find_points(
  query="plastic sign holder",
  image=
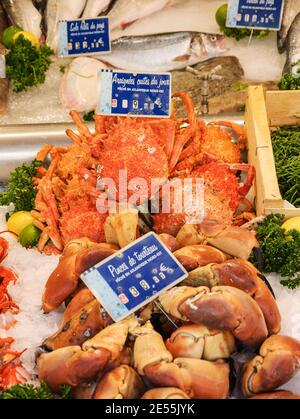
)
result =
(134, 276)
(255, 14)
(137, 94)
(84, 37)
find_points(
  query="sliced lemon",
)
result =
(19, 220)
(29, 36)
(292, 224)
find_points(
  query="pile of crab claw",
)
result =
(223, 310)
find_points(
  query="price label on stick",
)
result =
(84, 37)
(131, 278)
(255, 14)
(138, 94)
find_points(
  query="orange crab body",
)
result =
(83, 222)
(212, 207)
(133, 147)
(212, 143)
(219, 178)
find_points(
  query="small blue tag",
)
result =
(255, 14)
(84, 37)
(131, 278)
(122, 93)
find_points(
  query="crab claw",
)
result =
(169, 241)
(120, 383)
(70, 365)
(65, 278)
(280, 394)
(74, 246)
(197, 341)
(149, 348)
(232, 240)
(194, 256)
(112, 338)
(199, 379)
(277, 362)
(240, 274)
(85, 323)
(80, 299)
(223, 307)
(165, 393)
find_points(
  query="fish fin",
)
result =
(182, 58)
(125, 25)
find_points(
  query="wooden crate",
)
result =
(265, 111)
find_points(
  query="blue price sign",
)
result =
(122, 93)
(131, 278)
(84, 36)
(255, 14)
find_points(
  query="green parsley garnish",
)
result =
(26, 65)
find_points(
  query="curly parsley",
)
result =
(289, 82)
(26, 65)
(281, 250)
(21, 191)
(29, 391)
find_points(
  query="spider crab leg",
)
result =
(47, 206)
(188, 133)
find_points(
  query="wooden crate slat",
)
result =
(283, 107)
(260, 152)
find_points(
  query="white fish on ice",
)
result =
(23, 14)
(163, 52)
(125, 12)
(79, 86)
(290, 11)
(93, 8)
(60, 10)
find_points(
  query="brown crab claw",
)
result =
(169, 241)
(83, 325)
(70, 365)
(223, 307)
(65, 279)
(199, 379)
(229, 308)
(277, 362)
(240, 274)
(232, 240)
(165, 393)
(280, 394)
(122, 382)
(200, 342)
(191, 257)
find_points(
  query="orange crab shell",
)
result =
(82, 221)
(134, 147)
(220, 178)
(213, 208)
(217, 141)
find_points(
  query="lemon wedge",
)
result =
(29, 36)
(292, 224)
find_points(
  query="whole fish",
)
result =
(292, 64)
(60, 10)
(23, 13)
(163, 52)
(290, 11)
(93, 8)
(125, 12)
(4, 83)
